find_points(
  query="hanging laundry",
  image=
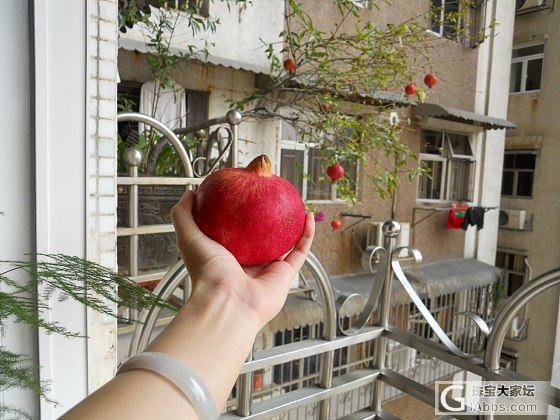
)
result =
(474, 217)
(456, 216)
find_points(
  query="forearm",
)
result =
(212, 335)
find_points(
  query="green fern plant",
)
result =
(65, 278)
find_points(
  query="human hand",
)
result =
(215, 272)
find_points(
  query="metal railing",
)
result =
(327, 393)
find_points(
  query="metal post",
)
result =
(233, 118)
(391, 230)
(245, 391)
(133, 158)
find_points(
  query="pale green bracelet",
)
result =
(180, 375)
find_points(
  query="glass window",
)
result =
(526, 69)
(513, 268)
(445, 18)
(303, 167)
(451, 162)
(518, 173)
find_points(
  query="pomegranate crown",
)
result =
(260, 165)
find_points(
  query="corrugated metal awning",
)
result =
(429, 281)
(452, 276)
(139, 46)
(430, 110)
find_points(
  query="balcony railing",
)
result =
(349, 366)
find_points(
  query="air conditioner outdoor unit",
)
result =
(512, 219)
(375, 236)
(528, 6)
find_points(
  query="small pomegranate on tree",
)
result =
(254, 214)
(410, 89)
(290, 65)
(430, 79)
(336, 224)
(335, 172)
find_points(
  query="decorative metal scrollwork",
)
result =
(390, 261)
(432, 322)
(204, 165)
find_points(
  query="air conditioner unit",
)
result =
(529, 6)
(512, 219)
(375, 236)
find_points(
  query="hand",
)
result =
(215, 271)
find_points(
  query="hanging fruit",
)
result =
(430, 79)
(410, 89)
(335, 172)
(336, 224)
(290, 65)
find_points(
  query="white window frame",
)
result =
(441, 32)
(524, 62)
(447, 157)
(294, 145)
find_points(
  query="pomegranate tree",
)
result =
(254, 214)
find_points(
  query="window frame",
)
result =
(516, 171)
(447, 157)
(524, 63)
(509, 254)
(442, 23)
(295, 145)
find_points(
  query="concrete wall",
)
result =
(535, 114)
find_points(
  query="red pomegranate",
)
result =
(430, 79)
(336, 224)
(254, 214)
(290, 65)
(335, 172)
(410, 89)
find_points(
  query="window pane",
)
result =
(460, 144)
(509, 161)
(515, 81)
(318, 185)
(430, 188)
(351, 172)
(515, 281)
(525, 161)
(526, 51)
(291, 165)
(534, 72)
(507, 182)
(524, 184)
(460, 180)
(435, 16)
(451, 18)
(431, 142)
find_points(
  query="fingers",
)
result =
(296, 258)
(183, 222)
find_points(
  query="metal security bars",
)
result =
(335, 367)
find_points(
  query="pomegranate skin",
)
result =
(255, 215)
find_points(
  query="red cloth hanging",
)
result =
(456, 216)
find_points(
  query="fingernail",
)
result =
(184, 196)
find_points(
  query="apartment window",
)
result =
(303, 167)
(451, 162)
(518, 173)
(513, 268)
(200, 6)
(444, 18)
(526, 68)
(364, 4)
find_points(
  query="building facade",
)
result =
(64, 122)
